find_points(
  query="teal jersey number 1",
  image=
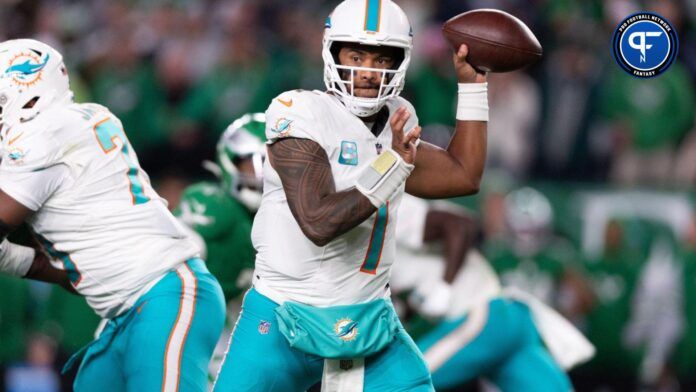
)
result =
(374, 250)
(108, 132)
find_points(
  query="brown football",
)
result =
(497, 41)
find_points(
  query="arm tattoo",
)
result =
(322, 213)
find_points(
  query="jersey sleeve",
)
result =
(33, 188)
(290, 116)
(30, 151)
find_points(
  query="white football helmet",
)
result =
(367, 22)
(528, 211)
(32, 78)
(245, 138)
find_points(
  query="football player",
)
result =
(503, 335)
(338, 164)
(70, 172)
(221, 213)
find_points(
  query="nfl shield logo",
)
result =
(345, 364)
(378, 147)
(264, 326)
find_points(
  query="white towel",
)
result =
(343, 375)
(567, 345)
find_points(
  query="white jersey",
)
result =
(353, 267)
(422, 264)
(474, 286)
(96, 213)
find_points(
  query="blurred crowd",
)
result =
(178, 72)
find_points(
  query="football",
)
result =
(497, 41)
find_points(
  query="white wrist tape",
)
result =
(15, 260)
(380, 180)
(472, 103)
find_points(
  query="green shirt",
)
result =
(224, 95)
(135, 97)
(538, 273)
(657, 111)
(225, 225)
(68, 317)
(14, 318)
(433, 93)
(685, 358)
(613, 278)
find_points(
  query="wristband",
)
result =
(15, 260)
(472, 102)
(383, 177)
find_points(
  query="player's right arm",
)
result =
(295, 152)
(28, 179)
(22, 261)
(321, 212)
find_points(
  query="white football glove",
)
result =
(431, 298)
(15, 260)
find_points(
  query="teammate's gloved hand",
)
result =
(431, 299)
(15, 260)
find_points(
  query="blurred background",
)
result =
(614, 156)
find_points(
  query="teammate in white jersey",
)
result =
(503, 335)
(71, 174)
(338, 164)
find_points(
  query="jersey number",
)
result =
(374, 250)
(108, 132)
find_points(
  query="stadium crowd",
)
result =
(612, 155)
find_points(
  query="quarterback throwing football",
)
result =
(339, 162)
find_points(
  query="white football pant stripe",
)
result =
(177, 338)
(442, 351)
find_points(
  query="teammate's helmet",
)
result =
(528, 211)
(243, 140)
(367, 22)
(32, 78)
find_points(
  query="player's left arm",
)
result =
(457, 170)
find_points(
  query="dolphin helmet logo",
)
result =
(26, 68)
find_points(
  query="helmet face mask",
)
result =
(372, 23)
(32, 79)
(240, 155)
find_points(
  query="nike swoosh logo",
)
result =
(14, 139)
(286, 103)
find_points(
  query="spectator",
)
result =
(36, 373)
